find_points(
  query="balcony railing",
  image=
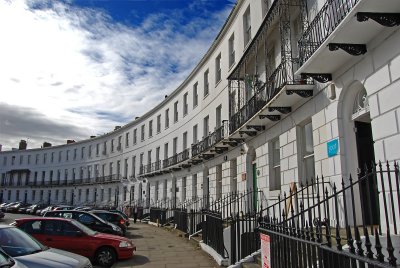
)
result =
(282, 76)
(150, 168)
(325, 22)
(177, 158)
(209, 141)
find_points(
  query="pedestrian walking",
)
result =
(135, 212)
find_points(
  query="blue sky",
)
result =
(75, 68)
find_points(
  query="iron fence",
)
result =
(158, 215)
(181, 219)
(213, 231)
(351, 225)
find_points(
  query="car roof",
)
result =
(43, 218)
(3, 226)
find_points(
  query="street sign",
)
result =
(265, 251)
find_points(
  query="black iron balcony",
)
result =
(324, 23)
(78, 181)
(150, 168)
(175, 159)
(211, 140)
(87, 181)
(265, 92)
(141, 170)
(100, 179)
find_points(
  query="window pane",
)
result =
(308, 139)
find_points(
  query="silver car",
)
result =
(29, 252)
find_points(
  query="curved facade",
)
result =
(282, 95)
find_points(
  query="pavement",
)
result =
(164, 248)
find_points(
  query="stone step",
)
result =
(251, 265)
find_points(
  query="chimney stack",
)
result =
(22, 145)
(46, 144)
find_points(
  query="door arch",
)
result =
(357, 146)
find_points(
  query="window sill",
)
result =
(218, 82)
(205, 96)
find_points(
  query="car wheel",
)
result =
(105, 256)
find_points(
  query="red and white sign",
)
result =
(265, 251)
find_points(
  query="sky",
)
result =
(75, 68)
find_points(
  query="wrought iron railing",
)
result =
(150, 168)
(177, 158)
(212, 139)
(264, 92)
(352, 223)
(325, 22)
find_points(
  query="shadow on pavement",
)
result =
(133, 236)
(136, 260)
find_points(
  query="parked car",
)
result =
(83, 208)
(112, 217)
(71, 235)
(7, 261)
(122, 214)
(1, 216)
(90, 220)
(64, 207)
(4, 208)
(31, 253)
(43, 211)
(35, 207)
(23, 207)
(3, 205)
(15, 207)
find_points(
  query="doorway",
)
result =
(368, 186)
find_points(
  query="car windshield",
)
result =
(5, 261)
(17, 243)
(83, 227)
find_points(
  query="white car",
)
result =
(28, 252)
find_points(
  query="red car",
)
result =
(71, 235)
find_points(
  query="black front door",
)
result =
(368, 187)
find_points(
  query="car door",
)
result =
(76, 241)
(52, 234)
(35, 229)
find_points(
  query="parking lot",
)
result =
(156, 247)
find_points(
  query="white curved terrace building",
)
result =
(289, 90)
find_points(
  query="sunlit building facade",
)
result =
(289, 90)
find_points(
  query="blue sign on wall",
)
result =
(333, 147)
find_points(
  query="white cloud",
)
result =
(80, 68)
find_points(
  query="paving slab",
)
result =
(161, 248)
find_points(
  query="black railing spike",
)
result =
(379, 256)
(384, 200)
(391, 197)
(368, 244)
(338, 238)
(396, 178)
(347, 226)
(327, 219)
(392, 259)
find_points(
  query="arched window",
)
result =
(361, 105)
